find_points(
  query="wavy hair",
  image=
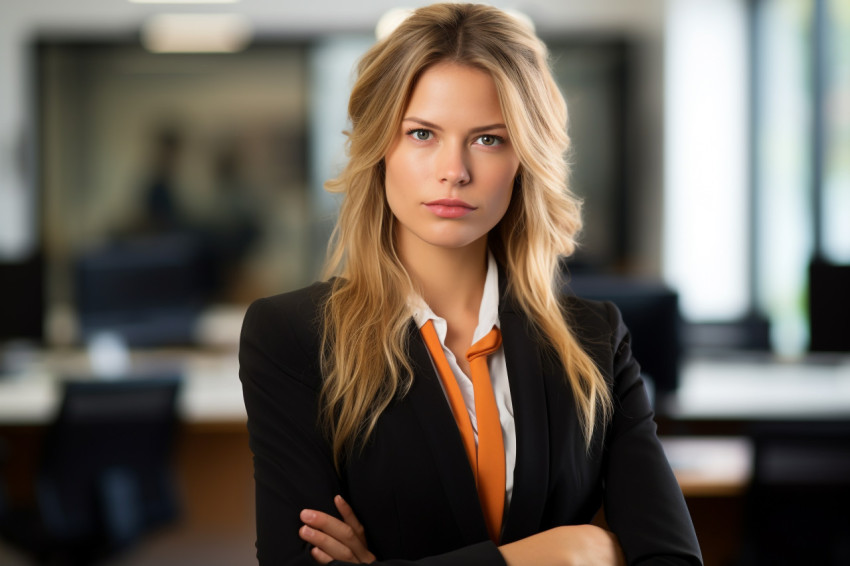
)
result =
(365, 360)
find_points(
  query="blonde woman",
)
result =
(439, 402)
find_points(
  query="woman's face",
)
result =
(450, 171)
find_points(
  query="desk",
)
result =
(710, 466)
(211, 392)
(747, 388)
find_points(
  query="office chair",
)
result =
(829, 306)
(149, 290)
(651, 311)
(104, 478)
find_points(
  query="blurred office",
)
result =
(162, 164)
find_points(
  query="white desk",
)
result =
(752, 389)
(211, 391)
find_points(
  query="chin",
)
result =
(454, 241)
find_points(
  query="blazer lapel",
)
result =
(442, 436)
(525, 375)
(531, 474)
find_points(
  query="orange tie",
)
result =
(488, 461)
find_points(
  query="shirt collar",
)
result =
(488, 312)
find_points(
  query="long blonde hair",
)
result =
(365, 360)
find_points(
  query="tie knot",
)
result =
(486, 346)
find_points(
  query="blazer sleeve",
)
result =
(293, 463)
(644, 505)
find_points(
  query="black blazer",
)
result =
(412, 486)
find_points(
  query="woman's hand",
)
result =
(573, 545)
(333, 539)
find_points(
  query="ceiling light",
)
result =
(184, 1)
(196, 33)
(391, 20)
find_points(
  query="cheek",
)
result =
(398, 171)
(505, 181)
(405, 180)
(507, 195)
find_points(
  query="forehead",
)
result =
(450, 91)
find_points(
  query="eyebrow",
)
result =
(433, 126)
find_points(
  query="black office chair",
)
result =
(829, 307)
(651, 311)
(150, 291)
(105, 476)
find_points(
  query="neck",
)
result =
(450, 280)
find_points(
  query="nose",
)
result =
(452, 165)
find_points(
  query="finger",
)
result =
(351, 520)
(328, 545)
(329, 525)
(349, 517)
(320, 555)
(343, 533)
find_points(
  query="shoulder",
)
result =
(302, 306)
(284, 331)
(599, 327)
(593, 321)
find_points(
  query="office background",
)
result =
(146, 197)
(710, 140)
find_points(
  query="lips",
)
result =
(449, 208)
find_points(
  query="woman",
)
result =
(375, 436)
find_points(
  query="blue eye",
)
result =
(490, 140)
